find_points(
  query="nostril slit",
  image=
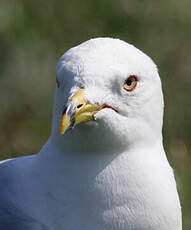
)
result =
(79, 106)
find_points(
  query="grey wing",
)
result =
(12, 218)
(16, 224)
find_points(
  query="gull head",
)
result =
(108, 97)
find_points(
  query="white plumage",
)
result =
(107, 174)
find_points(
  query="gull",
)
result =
(104, 166)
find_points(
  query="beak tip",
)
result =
(62, 132)
(65, 123)
(73, 114)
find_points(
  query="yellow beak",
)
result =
(78, 110)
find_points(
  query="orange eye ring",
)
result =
(130, 83)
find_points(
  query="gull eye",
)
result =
(130, 83)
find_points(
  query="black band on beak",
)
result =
(70, 110)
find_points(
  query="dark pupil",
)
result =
(129, 81)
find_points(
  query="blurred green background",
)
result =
(35, 33)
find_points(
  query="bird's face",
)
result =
(107, 90)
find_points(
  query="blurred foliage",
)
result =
(34, 34)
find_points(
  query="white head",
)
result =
(101, 67)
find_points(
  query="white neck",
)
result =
(100, 185)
